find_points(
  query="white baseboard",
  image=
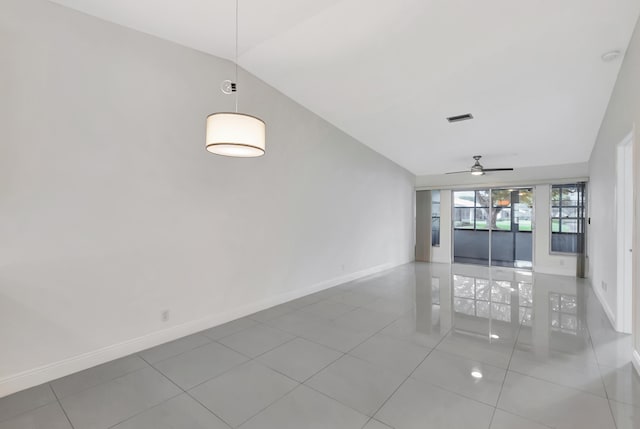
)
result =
(605, 305)
(36, 376)
(556, 271)
(636, 361)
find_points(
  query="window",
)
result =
(471, 209)
(523, 209)
(567, 217)
(435, 218)
(501, 210)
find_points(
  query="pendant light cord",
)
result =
(236, 60)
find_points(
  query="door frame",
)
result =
(624, 206)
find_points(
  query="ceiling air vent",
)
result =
(460, 118)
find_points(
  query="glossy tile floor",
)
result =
(420, 346)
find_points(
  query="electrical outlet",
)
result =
(562, 262)
(343, 268)
(604, 286)
(164, 315)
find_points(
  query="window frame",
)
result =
(474, 209)
(579, 208)
(433, 217)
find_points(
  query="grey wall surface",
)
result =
(622, 118)
(112, 211)
(423, 226)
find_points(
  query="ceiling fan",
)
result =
(478, 170)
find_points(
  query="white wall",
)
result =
(545, 261)
(622, 117)
(112, 211)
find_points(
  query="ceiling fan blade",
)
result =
(458, 172)
(497, 169)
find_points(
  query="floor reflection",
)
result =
(541, 313)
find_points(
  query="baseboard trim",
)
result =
(605, 306)
(36, 376)
(554, 271)
(635, 360)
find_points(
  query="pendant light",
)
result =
(232, 133)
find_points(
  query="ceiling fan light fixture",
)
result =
(478, 170)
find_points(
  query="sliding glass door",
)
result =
(493, 227)
(470, 230)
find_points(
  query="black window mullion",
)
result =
(475, 219)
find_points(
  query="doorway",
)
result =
(624, 214)
(493, 227)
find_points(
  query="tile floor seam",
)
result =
(145, 410)
(557, 384)
(377, 364)
(349, 406)
(506, 373)
(407, 377)
(315, 390)
(249, 359)
(430, 351)
(186, 392)
(604, 385)
(634, 406)
(303, 306)
(209, 341)
(205, 381)
(233, 350)
(335, 399)
(525, 418)
(337, 317)
(318, 344)
(60, 405)
(371, 419)
(456, 355)
(228, 335)
(337, 350)
(48, 404)
(312, 375)
(102, 382)
(509, 370)
(593, 348)
(253, 415)
(272, 349)
(207, 408)
(33, 408)
(179, 354)
(107, 381)
(366, 423)
(267, 351)
(371, 336)
(266, 309)
(429, 383)
(165, 376)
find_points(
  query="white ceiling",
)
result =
(389, 72)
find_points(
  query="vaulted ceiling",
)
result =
(389, 72)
